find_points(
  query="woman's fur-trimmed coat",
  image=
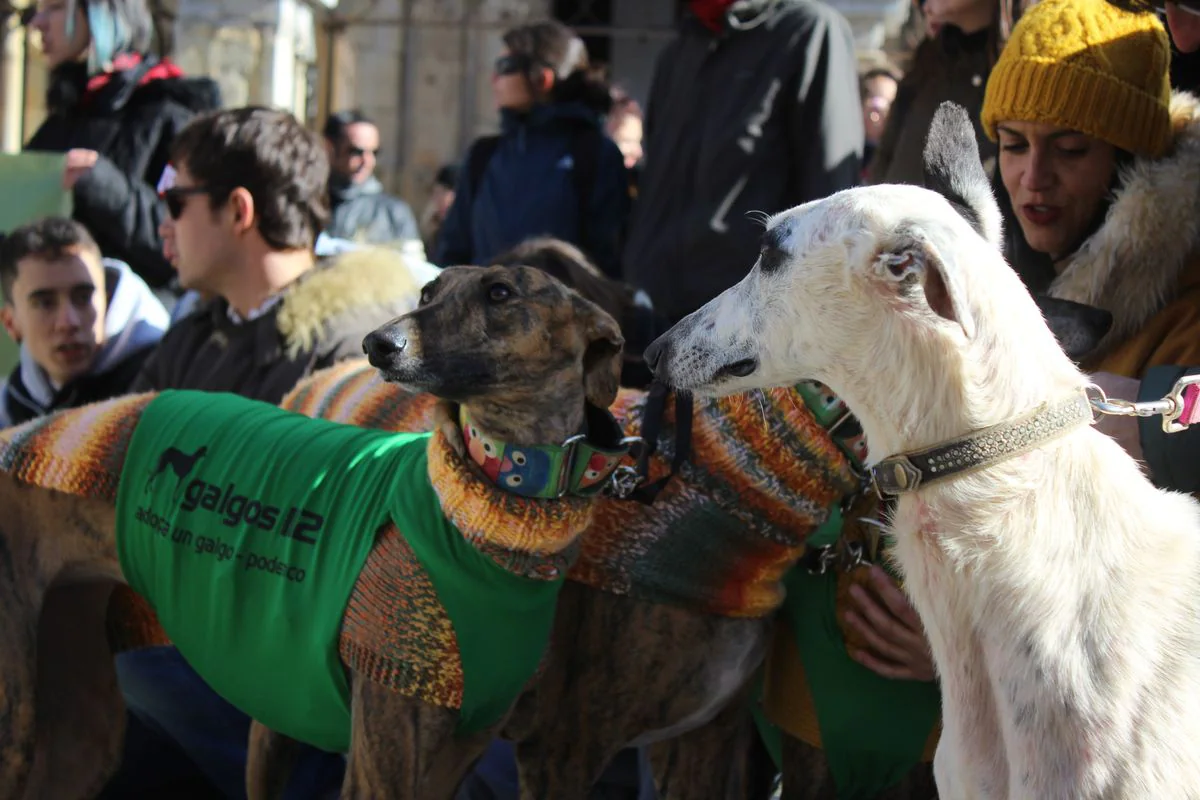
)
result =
(1143, 264)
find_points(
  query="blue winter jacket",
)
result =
(527, 190)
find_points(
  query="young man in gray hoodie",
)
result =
(85, 323)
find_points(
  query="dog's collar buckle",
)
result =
(894, 476)
(570, 450)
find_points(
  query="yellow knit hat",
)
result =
(1087, 66)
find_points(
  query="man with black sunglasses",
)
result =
(359, 208)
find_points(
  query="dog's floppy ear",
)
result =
(953, 169)
(602, 352)
(910, 262)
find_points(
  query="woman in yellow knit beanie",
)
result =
(1101, 164)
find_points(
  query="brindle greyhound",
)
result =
(665, 617)
(513, 347)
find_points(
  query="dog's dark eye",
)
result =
(426, 295)
(771, 259)
(498, 293)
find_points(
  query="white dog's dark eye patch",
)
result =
(772, 256)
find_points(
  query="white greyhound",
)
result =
(1057, 585)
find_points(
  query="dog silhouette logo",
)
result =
(175, 460)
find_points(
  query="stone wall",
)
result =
(257, 50)
(420, 68)
(427, 83)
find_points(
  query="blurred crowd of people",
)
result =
(234, 250)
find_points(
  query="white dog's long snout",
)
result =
(709, 351)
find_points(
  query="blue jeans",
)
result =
(170, 699)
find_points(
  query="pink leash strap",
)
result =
(1190, 414)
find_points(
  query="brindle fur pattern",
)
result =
(60, 706)
(619, 671)
(539, 350)
(61, 714)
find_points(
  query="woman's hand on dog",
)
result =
(896, 644)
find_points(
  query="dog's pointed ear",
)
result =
(602, 355)
(952, 168)
(913, 262)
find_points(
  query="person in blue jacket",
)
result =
(552, 171)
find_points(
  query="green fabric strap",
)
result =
(772, 735)
(873, 729)
(829, 531)
(246, 527)
(825, 535)
(502, 621)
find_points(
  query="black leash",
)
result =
(652, 419)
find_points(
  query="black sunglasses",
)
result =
(511, 64)
(176, 197)
(359, 152)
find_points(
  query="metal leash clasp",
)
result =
(1170, 408)
(570, 448)
(626, 479)
(1172, 422)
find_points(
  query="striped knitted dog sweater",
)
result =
(763, 475)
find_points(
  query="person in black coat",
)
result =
(753, 108)
(114, 109)
(552, 171)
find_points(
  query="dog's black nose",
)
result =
(382, 344)
(655, 356)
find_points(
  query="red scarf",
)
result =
(711, 13)
(163, 69)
